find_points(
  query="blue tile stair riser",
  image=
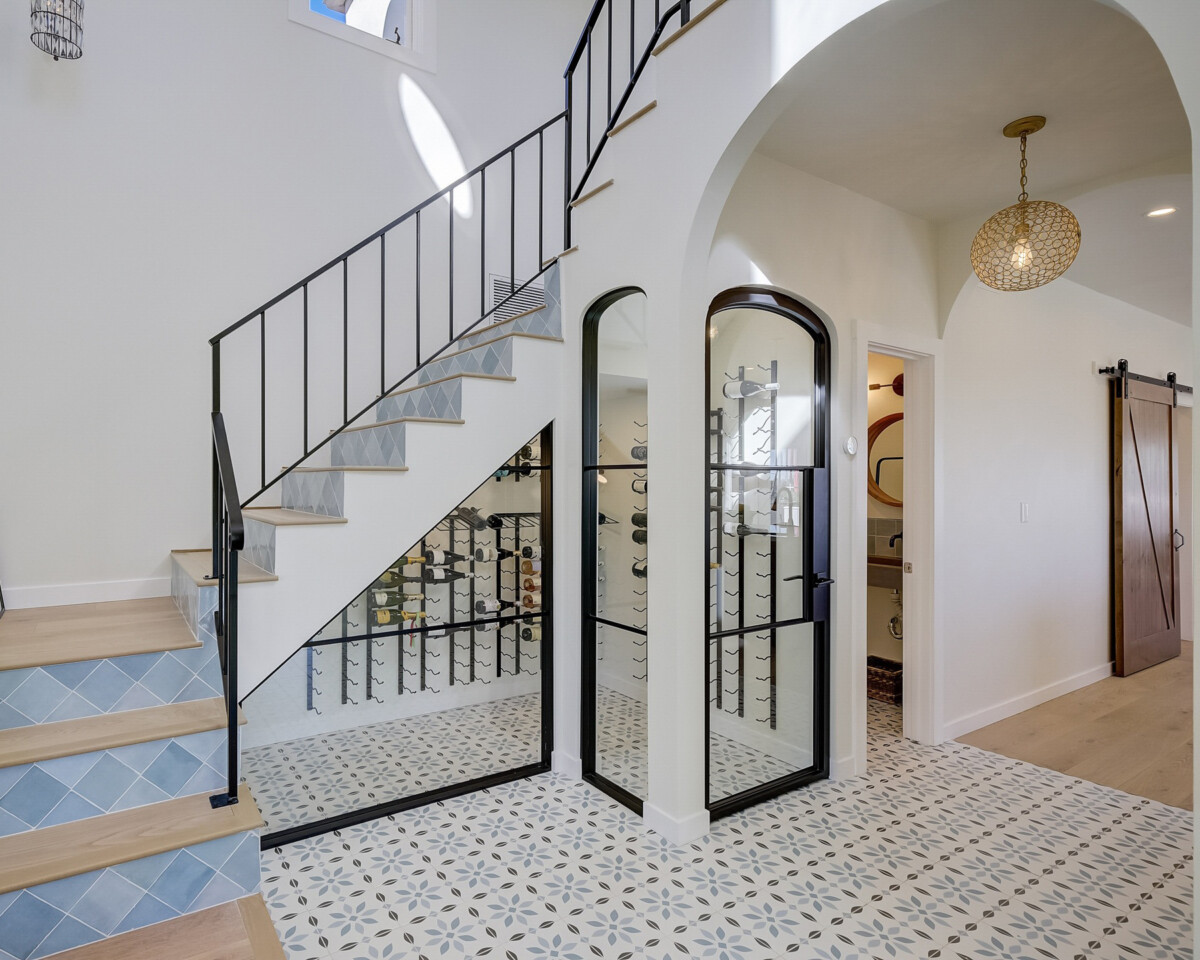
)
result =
(260, 544)
(69, 913)
(379, 446)
(494, 359)
(322, 493)
(71, 788)
(442, 401)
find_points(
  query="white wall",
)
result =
(197, 160)
(1026, 419)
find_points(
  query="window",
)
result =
(401, 29)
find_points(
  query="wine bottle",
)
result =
(409, 617)
(398, 579)
(532, 633)
(532, 599)
(639, 452)
(639, 486)
(531, 583)
(531, 566)
(444, 574)
(391, 598)
(640, 536)
(639, 569)
(736, 389)
(443, 556)
(531, 553)
(494, 521)
(602, 519)
(489, 554)
(638, 520)
(471, 516)
(742, 530)
(526, 452)
(493, 606)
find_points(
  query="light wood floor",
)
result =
(1132, 733)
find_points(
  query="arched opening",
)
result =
(767, 681)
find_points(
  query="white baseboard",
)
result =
(674, 830)
(843, 768)
(100, 591)
(563, 763)
(1001, 711)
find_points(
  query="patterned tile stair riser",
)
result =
(52, 917)
(937, 852)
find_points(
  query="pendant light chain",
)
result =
(1024, 177)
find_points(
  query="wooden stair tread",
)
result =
(66, 738)
(698, 18)
(40, 636)
(511, 335)
(239, 930)
(591, 193)
(632, 118)
(384, 423)
(52, 853)
(453, 376)
(197, 564)
(559, 256)
(282, 517)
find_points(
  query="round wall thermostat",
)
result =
(851, 446)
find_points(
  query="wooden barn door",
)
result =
(1145, 517)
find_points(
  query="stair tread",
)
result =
(632, 118)
(559, 256)
(66, 850)
(66, 738)
(695, 21)
(41, 636)
(512, 334)
(453, 376)
(197, 564)
(238, 930)
(283, 517)
(591, 193)
(384, 423)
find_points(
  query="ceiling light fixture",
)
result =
(1161, 212)
(56, 27)
(1030, 243)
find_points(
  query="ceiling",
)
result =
(907, 108)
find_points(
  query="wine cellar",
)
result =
(447, 647)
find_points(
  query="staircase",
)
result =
(124, 829)
(112, 739)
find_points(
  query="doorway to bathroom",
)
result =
(885, 534)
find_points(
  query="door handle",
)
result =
(821, 581)
(1182, 539)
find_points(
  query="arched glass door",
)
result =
(768, 548)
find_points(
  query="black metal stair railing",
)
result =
(617, 42)
(518, 251)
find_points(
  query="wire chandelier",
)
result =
(56, 27)
(1030, 243)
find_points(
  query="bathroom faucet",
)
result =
(894, 537)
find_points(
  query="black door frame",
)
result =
(588, 572)
(817, 545)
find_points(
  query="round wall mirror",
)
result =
(885, 460)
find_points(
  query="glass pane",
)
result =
(762, 368)
(756, 547)
(621, 381)
(621, 708)
(389, 710)
(621, 549)
(760, 731)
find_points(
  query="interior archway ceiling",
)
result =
(907, 110)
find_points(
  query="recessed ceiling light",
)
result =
(1161, 212)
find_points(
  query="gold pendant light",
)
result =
(1030, 243)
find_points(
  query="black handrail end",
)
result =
(219, 800)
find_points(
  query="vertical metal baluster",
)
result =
(685, 12)
(216, 469)
(567, 163)
(382, 316)
(588, 101)
(609, 57)
(541, 198)
(483, 241)
(262, 384)
(345, 341)
(306, 369)
(450, 309)
(418, 287)
(632, 31)
(512, 222)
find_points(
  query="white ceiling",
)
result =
(907, 108)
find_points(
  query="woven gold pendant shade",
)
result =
(1030, 243)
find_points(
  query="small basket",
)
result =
(885, 680)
